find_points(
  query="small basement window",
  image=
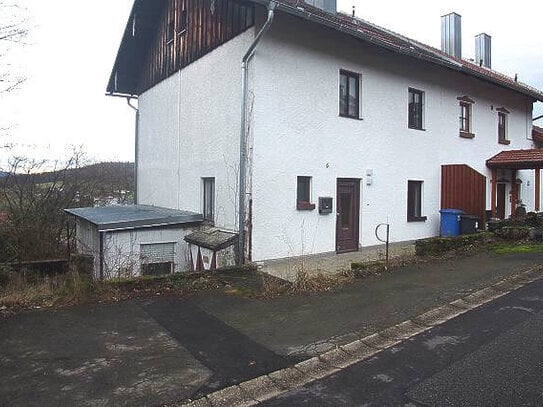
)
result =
(303, 194)
(157, 259)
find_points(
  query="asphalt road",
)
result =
(491, 356)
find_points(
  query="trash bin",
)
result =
(450, 222)
(469, 224)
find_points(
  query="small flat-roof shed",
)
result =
(128, 241)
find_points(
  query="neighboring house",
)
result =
(345, 124)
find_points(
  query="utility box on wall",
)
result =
(325, 205)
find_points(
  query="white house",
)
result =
(344, 124)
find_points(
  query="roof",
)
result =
(212, 238)
(517, 159)
(131, 53)
(112, 218)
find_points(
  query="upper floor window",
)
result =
(466, 121)
(349, 94)
(303, 194)
(416, 109)
(209, 199)
(414, 201)
(502, 126)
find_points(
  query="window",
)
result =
(209, 199)
(414, 201)
(170, 33)
(303, 194)
(349, 94)
(416, 108)
(465, 119)
(502, 126)
(157, 258)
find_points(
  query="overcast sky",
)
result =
(73, 44)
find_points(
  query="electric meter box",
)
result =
(325, 205)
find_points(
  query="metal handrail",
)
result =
(386, 241)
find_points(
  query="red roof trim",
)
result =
(517, 159)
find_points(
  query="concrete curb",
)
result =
(274, 384)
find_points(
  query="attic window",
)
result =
(171, 31)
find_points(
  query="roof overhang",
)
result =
(137, 38)
(517, 159)
(117, 218)
(145, 16)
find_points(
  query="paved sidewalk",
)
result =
(161, 350)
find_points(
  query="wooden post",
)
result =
(514, 192)
(493, 186)
(537, 188)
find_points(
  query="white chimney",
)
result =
(330, 6)
(451, 34)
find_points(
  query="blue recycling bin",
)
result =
(450, 222)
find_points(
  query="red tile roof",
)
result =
(517, 159)
(396, 42)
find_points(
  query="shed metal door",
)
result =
(157, 253)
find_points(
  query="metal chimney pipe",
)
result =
(483, 50)
(451, 34)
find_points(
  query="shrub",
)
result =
(440, 245)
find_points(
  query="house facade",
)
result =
(347, 126)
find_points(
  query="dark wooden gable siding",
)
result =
(188, 30)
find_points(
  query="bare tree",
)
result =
(34, 225)
(13, 30)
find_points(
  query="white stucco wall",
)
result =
(297, 132)
(122, 249)
(189, 129)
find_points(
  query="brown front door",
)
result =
(500, 201)
(348, 210)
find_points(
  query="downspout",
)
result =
(243, 131)
(136, 148)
